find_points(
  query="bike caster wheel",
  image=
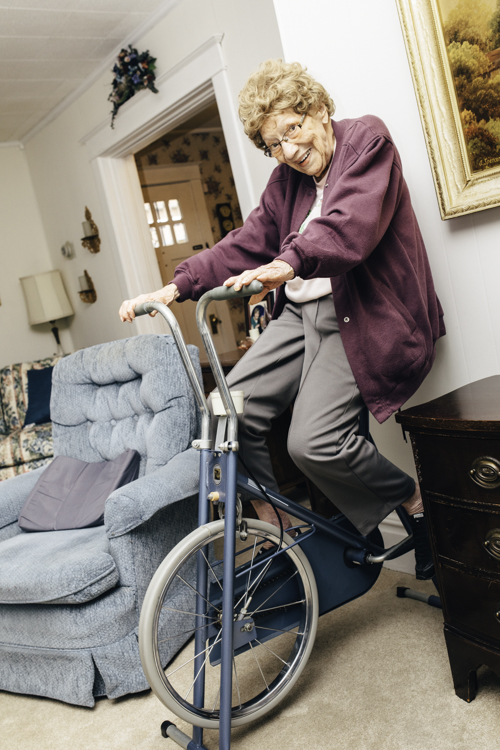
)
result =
(275, 621)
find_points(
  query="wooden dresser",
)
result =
(456, 446)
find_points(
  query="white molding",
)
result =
(217, 129)
(234, 137)
(127, 225)
(150, 22)
(393, 532)
(157, 174)
(12, 144)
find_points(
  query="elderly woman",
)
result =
(356, 317)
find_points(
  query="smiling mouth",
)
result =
(305, 157)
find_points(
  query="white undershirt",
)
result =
(300, 290)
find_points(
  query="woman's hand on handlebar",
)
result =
(271, 275)
(166, 295)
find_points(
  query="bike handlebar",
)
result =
(218, 294)
(229, 292)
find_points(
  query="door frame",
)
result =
(185, 89)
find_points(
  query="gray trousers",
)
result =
(301, 356)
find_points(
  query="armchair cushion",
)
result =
(39, 388)
(71, 493)
(56, 567)
(14, 390)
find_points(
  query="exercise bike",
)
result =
(243, 593)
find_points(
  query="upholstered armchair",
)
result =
(70, 600)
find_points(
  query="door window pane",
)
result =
(154, 237)
(149, 213)
(175, 210)
(166, 235)
(180, 233)
(161, 210)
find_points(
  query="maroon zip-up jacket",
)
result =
(367, 240)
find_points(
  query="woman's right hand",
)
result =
(166, 295)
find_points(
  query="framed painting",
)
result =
(454, 51)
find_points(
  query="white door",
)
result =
(180, 227)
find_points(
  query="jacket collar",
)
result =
(307, 186)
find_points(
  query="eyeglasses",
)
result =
(291, 134)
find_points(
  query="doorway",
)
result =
(191, 202)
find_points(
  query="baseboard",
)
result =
(393, 532)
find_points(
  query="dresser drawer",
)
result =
(444, 465)
(460, 534)
(471, 602)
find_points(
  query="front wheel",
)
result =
(275, 620)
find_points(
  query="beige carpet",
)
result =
(378, 679)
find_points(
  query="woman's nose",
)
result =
(289, 149)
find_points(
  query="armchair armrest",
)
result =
(13, 494)
(132, 505)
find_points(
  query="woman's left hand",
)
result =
(271, 275)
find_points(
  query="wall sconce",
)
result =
(91, 239)
(46, 300)
(87, 291)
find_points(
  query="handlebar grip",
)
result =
(228, 292)
(144, 308)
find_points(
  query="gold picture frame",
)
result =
(462, 185)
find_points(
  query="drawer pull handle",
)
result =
(492, 543)
(485, 472)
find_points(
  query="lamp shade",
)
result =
(46, 297)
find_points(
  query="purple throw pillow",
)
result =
(71, 494)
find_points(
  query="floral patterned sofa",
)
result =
(22, 449)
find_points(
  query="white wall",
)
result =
(23, 252)
(356, 50)
(64, 179)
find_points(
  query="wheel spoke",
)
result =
(211, 569)
(272, 652)
(183, 632)
(271, 609)
(183, 612)
(251, 565)
(255, 584)
(206, 659)
(216, 699)
(276, 630)
(260, 670)
(190, 660)
(237, 684)
(197, 592)
(276, 591)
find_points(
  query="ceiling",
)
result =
(49, 47)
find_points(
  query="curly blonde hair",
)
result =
(276, 86)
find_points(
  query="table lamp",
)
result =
(46, 300)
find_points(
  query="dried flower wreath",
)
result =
(133, 72)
